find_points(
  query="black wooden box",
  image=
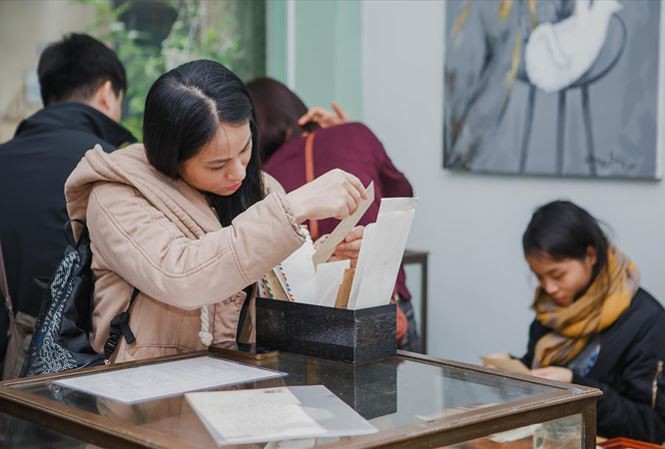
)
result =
(371, 388)
(356, 336)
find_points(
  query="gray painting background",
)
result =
(484, 116)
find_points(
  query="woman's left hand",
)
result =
(554, 373)
(350, 246)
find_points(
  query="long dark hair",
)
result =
(563, 230)
(277, 112)
(183, 111)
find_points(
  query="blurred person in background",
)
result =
(286, 126)
(82, 83)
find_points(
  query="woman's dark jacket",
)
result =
(629, 361)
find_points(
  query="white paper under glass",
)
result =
(276, 414)
(165, 379)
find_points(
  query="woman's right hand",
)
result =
(487, 360)
(499, 355)
(335, 194)
(325, 118)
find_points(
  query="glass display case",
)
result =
(413, 400)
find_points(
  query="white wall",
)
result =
(27, 26)
(480, 289)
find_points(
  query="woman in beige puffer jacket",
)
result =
(189, 220)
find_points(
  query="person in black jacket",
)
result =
(82, 84)
(594, 325)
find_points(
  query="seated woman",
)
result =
(188, 220)
(594, 325)
(287, 128)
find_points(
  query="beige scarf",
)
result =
(607, 298)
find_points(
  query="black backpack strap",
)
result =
(69, 232)
(120, 327)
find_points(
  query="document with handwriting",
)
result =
(251, 416)
(164, 379)
(276, 414)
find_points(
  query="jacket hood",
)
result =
(183, 204)
(76, 116)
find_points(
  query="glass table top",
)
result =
(391, 394)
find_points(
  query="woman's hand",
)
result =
(499, 355)
(554, 373)
(495, 356)
(335, 194)
(325, 118)
(350, 246)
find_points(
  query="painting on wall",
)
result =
(553, 87)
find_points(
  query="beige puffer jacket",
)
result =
(160, 235)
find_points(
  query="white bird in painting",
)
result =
(557, 54)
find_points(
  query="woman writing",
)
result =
(594, 325)
(188, 220)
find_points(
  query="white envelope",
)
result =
(365, 252)
(329, 277)
(300, 273)
(374, 281)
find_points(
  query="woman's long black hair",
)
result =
(183, 111)
(563, 230)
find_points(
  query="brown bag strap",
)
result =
(4, 286)
(309, 176)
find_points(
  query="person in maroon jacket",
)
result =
(284, 125)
